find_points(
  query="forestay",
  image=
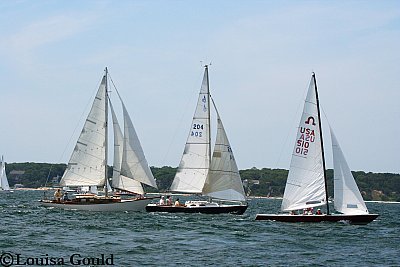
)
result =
(195, 162)
(348, 199)
(223, 180)
(88, 162)
(305, 183)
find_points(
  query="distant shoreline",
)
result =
(250, 197)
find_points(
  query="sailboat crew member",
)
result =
(57, 195)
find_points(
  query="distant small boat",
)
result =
(4, 186)
(306, 185)
(217, 176)
(88, 164)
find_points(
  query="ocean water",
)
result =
(38, 236)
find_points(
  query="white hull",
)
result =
(124, 205)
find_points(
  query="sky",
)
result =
(262, 54)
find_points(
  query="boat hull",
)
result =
(123, 205)
(233, 209)
(353, 219)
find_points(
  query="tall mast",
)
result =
(106, 137)
(322, 144)
(208, 119)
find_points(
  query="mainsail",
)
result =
(223, 180)
(3, 176)
(195, 163)
(348, 199)
(305, 186)
(119, 181)
(87, 164)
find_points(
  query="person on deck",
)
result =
(66, 196)
(57, 195)
(310, 211)
(162, 201)
(318, 212)
(169, 200)
(177, 202)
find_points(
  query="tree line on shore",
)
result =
(257, 182)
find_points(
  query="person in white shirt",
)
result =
(162, 201)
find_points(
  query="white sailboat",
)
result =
(215, 176)
(4, 186)
(88, 164)
(306, 185)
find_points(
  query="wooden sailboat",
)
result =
(306, 186)
(88, 164)
(4, 186)
(213, 176)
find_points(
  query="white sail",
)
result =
(87, 164)
(348, 199)
(223, 180)
(305, 186)
(3, 176)
(108, 187)
(193, 168)
(119, 181)
(134, 164)
(93, 189)
(118, 144)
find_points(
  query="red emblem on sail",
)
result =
(308, 120)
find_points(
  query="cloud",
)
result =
(23, 45)
(262, 56)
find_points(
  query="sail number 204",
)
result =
(197, 130)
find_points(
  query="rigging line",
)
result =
(115, 87)
(74, 131)
(120, 98)
(215, 106)
(295, 116)
(179, 124)
(326, 117)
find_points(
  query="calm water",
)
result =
(146, 239)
